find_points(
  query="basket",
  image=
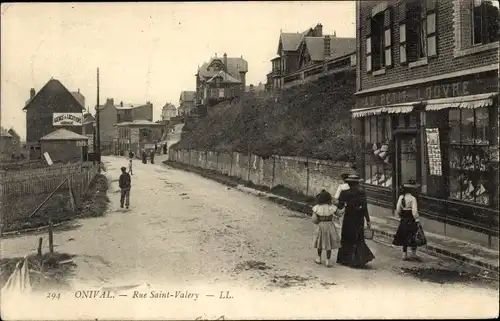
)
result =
(368, 234)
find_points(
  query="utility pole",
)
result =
(98, 138)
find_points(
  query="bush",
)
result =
(312, 120)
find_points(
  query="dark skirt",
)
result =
(353, 251)
(405, 235)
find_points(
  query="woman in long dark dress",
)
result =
(353, 251)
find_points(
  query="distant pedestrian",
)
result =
(144, 157)
(353, 251)
(410, 232)
(130, 166)
(152, 157)
(130, 155)
(165, 148)
(125, 183)
(326, 237)
(156, 148)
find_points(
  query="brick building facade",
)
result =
(111, 114)
(427, 109)
(52, 108)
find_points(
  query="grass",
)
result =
(47, 273)
(311, 120)
(93, 204)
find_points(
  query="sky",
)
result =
(144, 51)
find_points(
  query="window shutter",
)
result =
(387, 38)
(431, 28)
(368, 54)
(402, 33)
(368, 32)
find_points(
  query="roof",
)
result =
(64, 134)
(291, 41)
(13, 132)
(188, 95)
(139, 122)
(226, 78)
(55, 82)
(169, 106)
(234, 67)
(88, 118)
(338, 47)
(4, 132)
(79, 97)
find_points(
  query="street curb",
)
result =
(307, 209)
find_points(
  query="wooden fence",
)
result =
(44, 180)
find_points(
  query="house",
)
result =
(64, 145)
(252, 88)
(307, 56)
(168, 111)
(111, 114)
(427, 110)
(52, 108)
(219, 79)
(89, 127)
(187, 104)
(137, 135)
(7, 147)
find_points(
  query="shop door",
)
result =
(406, 161)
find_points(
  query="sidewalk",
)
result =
(438, 245)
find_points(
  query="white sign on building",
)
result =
(67, 119)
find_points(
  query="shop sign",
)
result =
(67, 119)
(434, 151)
(456, 87)
(81, 143)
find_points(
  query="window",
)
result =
(417, 30)
(485, 21)
(118, 118)
(221, 93)
(469, 155)
(375, 43)
(214, 93)
(378, 147)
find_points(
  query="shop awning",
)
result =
(391, 109)
(472, 102)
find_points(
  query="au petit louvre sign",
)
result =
(67, 119)
(442, 89)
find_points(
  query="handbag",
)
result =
(368, 233)
(420, 238)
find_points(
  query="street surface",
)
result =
(186, 232)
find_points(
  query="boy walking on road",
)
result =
(125, 184)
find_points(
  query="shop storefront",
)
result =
(444, 135)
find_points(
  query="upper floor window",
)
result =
(417, 30)
(485, 21)
(118, 118)
(379, 39)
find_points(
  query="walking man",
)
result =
(125, 184)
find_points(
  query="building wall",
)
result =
(450, 19)
(144, 112)
(39, 115)
(107, 119)
(62, 151)
(7, 147)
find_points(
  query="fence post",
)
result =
(231, 164)
(217, 161)
(206, 159)
(249, 164)
(274, 169)
(307, 182)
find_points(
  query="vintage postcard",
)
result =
(249, 160)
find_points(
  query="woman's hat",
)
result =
(354, 178)
(411, 184)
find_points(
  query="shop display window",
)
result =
(469, 156)
(378, 147)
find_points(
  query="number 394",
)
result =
(53, 296)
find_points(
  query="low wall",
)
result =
(305, 175)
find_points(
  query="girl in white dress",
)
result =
(326, 237)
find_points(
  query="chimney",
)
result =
(78, 90)
(335, 33)
(327, 47)
(121, 103)
(32, 93)
(225, 62)
(318, 30)
(110, 101)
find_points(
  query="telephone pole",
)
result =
(98, 138)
